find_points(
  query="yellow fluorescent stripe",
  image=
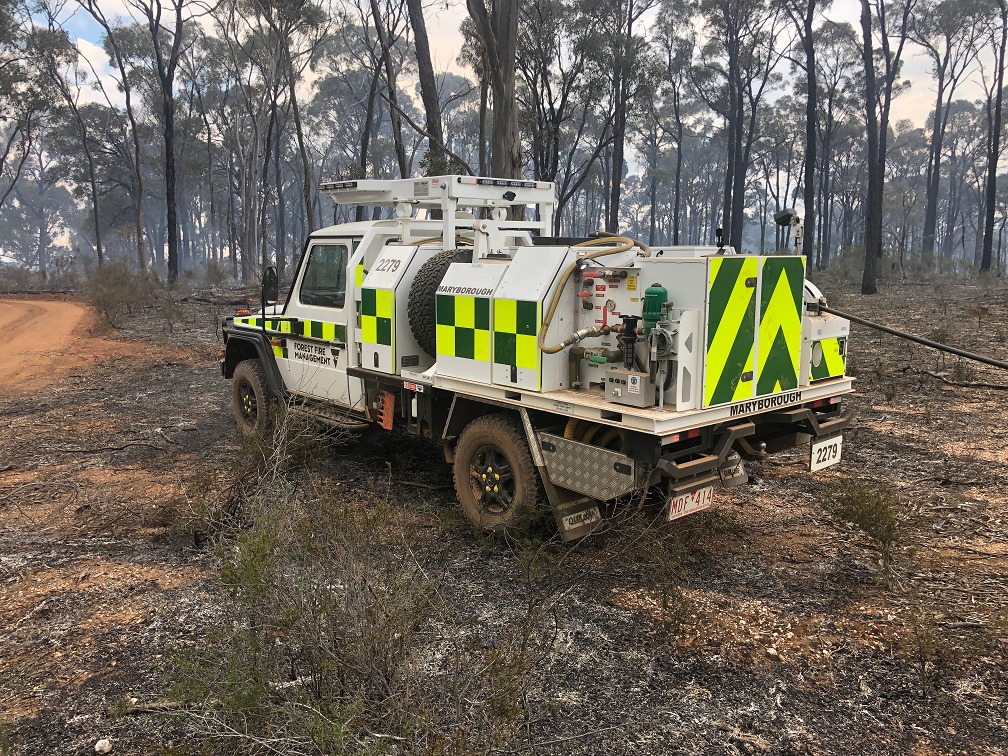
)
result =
(744, 389)
(329, 331)
(728, 328)
(526, 352)
(481, 350)
(780, 313)
(465, 312)
(369, 329)
(831, 355)
(506, 315)
(445, 340)
(384, 302)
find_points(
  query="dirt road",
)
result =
(45, 339)
(49, 339)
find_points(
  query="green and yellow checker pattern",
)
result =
(780, 324)
(731, 329)
(311, 329)
(377, 326)
(832, 363)
(463, 327)
(515, 335)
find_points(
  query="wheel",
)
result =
(495, 479)
(250, 397)
(421, 308)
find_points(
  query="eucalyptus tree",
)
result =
(437, 161)
(23, 98)
(908, 152)
(735, 72)
(165, 31)
(563, 84)
(948, 31)
(803, 14)
(632, 82)
(836, 79)
(999, 38)
(58, 60)
(298, 28)
(389, 23)
(676, 42)
(495, 23)
(122, 62)
(887, 23)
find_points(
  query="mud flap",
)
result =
(386, 409)
(577, 518)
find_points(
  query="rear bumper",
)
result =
(699, 470)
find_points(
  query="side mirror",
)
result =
(270, 286)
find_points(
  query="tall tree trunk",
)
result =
(873, 208)
(390, 84)
(302, 148)
(994, 149)
(92, 182)
(168, 109)
(933, 176)
(811, 112)
(436, 163)
(280, 226)
(484, 94)
(498, 31)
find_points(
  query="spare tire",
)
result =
(421, 309)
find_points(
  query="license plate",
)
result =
(688, 503)
(825, 452)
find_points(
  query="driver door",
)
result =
(317, 354)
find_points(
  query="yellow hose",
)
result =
(570, 431)
(609, 436)
(623, 244)
(588, 435)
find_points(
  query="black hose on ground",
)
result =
(918, 339)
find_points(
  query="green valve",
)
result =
(655, 297)
(597, 358)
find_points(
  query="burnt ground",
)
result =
(765, 625)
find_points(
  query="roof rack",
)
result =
(449, 194)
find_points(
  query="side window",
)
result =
(324, 281)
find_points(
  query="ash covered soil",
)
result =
(766, 625)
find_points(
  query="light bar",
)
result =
(506, 183)
(330, 185)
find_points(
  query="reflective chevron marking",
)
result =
(780, 324)
(731, 329)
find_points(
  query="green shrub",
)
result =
(115, 291)
(964, 371)
(337, 639)
(873, 512)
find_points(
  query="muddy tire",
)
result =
(421, 309)
(250, 398)
(495, 479)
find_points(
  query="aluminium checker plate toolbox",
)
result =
(590, 470)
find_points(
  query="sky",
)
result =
(443, 20)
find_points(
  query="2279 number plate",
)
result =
(826, 452)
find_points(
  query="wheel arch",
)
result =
(239, 347)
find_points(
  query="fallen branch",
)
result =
(155, 707)
(106, 449)
(943, 379)
(425, 486)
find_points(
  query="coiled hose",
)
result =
(573, 431)
(623, 244)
